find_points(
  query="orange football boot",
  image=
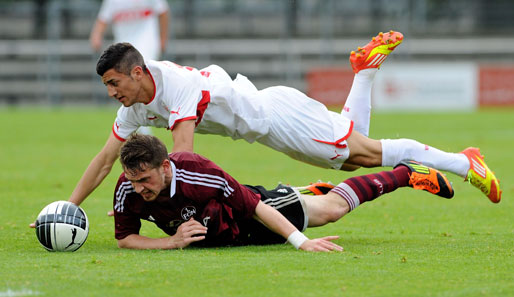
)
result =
(428, 179)
(373, 54)
(319, 188)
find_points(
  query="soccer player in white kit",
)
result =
(143, 23)
(186, 100)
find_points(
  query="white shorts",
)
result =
(305, 129)
(282, 118)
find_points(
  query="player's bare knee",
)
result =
(335, 213)
(335, 208)
(368, 161)
(349, 167)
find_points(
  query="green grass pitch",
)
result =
(408, 243)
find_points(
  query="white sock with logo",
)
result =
(396, 150)
(358, 104)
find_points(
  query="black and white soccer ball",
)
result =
(62, 227)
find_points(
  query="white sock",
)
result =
(396, 150)
(358, 104)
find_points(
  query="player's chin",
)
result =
(126, 102)
(148, 197)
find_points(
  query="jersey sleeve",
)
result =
(202, 180)
(106, 12)
(160, 6)
(125, 225)
(125, 124)
(125, 221)
(181, 98)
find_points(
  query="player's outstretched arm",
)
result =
(183, 136)
(95, 173)
(138, 242)
(163, 30)
(97, 35)
(187, 233)
(276, 222)
(97, 170)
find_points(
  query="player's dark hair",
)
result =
(122, 57)
(141, 152)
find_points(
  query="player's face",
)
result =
(122, 87)
(148, 183)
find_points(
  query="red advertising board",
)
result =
(329, 85)
(496, 85)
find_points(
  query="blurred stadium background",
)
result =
(459, 51)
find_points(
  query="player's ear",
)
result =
(137, 72)
(166, 164)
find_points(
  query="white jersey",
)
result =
(135, 21)
(279, 117)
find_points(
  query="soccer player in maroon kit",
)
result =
(195, 202)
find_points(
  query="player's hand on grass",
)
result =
(323, 244)
(189, 232)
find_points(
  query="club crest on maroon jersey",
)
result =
(187, 212)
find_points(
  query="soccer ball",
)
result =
(62, 227)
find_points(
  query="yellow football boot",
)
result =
(480, 176)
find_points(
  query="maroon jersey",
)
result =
(199, 189)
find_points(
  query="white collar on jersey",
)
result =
(173, 185)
